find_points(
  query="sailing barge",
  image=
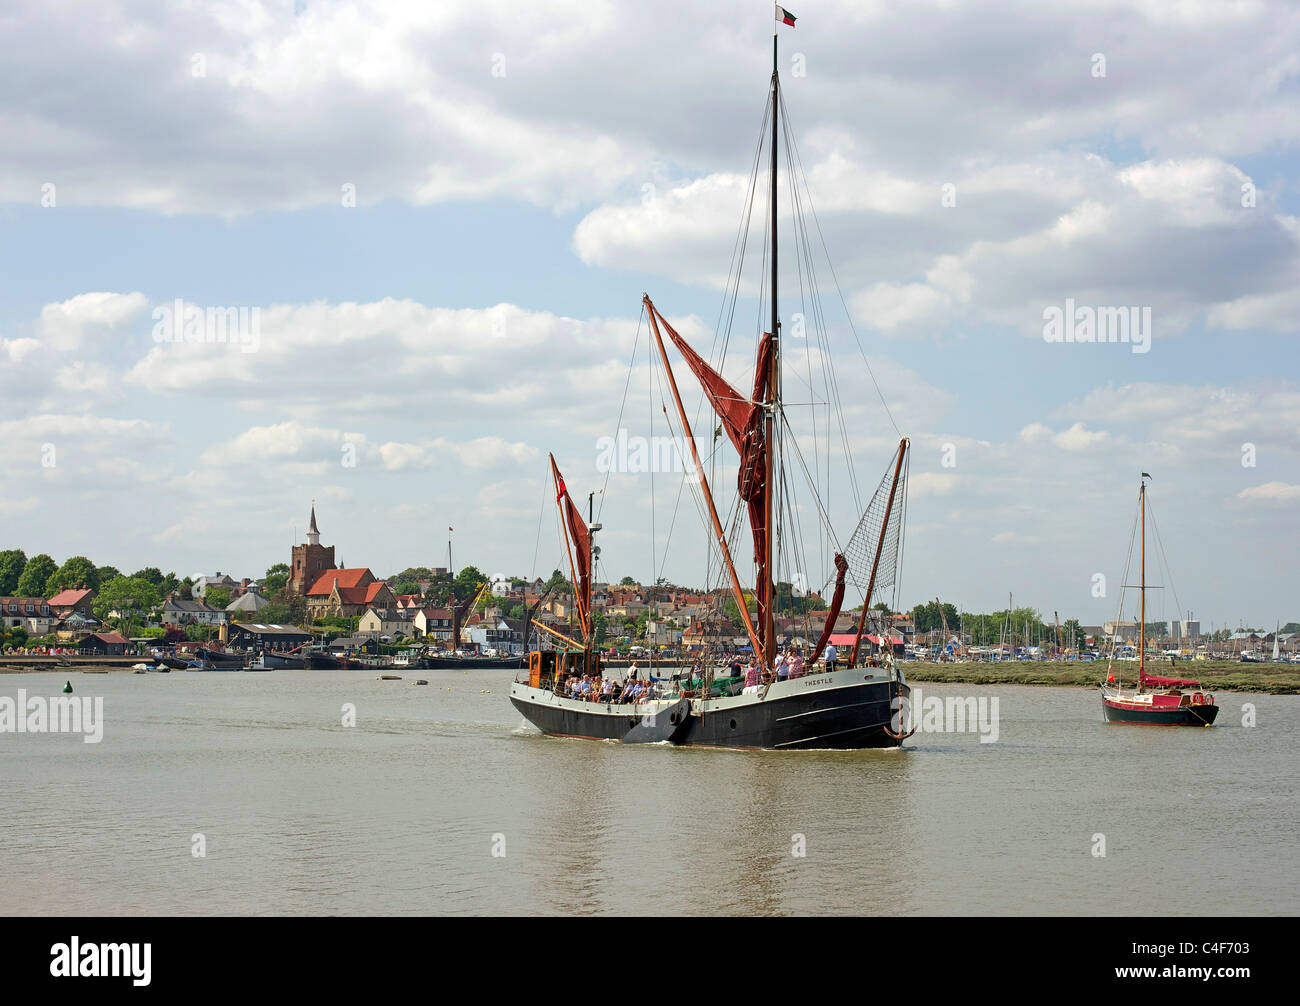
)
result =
(853, 703)
(1156, 700)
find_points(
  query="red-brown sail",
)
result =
(841, 567)
(742, 418)
(580, 537)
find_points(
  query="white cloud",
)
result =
(1275, 493)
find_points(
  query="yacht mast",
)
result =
(1142, 627)
(769, 578)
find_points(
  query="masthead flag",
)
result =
(784, 16)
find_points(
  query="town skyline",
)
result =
(310, 562)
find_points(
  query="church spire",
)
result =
(313, 532)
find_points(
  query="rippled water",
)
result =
(400, 813)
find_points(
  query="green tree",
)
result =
(76, 572)
(276, 577)
(439, 589)
(12, 563)
(38, 570)
(187, 589)
(732, 611)
(627, 581)
(151, 573)
(217, 597)
(412, 574)
(558, 582)
(168, 585)
(467, 583)
(125, 593)
(599, 627)
(107, 573)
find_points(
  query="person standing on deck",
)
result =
(832, 656)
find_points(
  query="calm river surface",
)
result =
(400, 813)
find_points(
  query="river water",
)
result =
(440, 799)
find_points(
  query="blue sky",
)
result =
(523, 174)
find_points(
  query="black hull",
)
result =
(1178, 716)
(847, 717)
(221, 661)
(472, 663)
(322, 662)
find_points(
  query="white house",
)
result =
(505, 635)
(379, 622)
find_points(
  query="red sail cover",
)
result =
(742, 418)
(841, 567)
(1155, 681)
(580, 536)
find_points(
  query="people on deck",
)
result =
(795, 665)
(832, 656)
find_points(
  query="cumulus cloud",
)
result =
(1271, 493)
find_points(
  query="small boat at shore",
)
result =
(1156, 700)
(215, 660)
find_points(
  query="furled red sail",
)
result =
(1155, 681)
(841, 567)
(580, 537)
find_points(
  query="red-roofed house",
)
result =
(347, 592)
(65, 602)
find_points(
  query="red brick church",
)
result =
(329, 590)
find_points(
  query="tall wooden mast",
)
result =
(773, 397)
(1142, 627)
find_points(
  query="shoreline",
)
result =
(1215, 675)
(1219, 676)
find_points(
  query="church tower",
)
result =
(310, 560)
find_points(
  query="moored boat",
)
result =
(1155, 700)
(216, 660)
